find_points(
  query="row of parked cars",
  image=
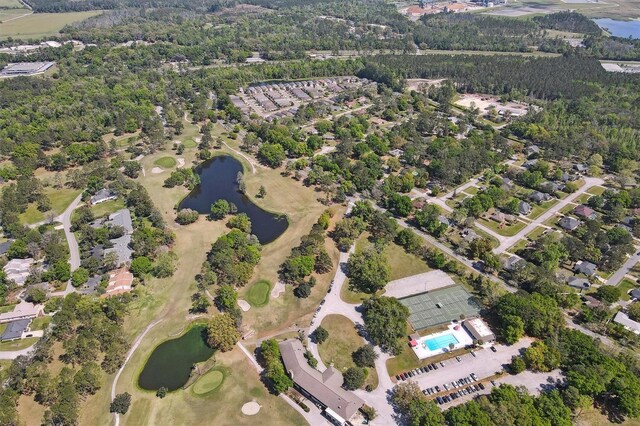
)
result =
(457, 394)
(419, 370)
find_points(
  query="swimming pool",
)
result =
(440, 342)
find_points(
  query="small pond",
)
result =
(623, 29)
(218, 180)
(170, 362)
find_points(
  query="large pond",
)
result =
(218, 180)
(620, 28)
(170, 363)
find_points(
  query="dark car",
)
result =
(430, 367)
(398, 377)
(493, 349)
(481, 386)
(437, 388)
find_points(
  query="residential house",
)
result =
(4, 247)
(507, 183)
(396, 152)
(17, 270)
(524, 208)
(530, 163)
(585, 212)
(444, 220)
(15, 330)
(91, 286)
(514, 263)
(121, 244)
(469, 235)
(591, 301)
(629, 324)
(635, 294)
(23, 310)
(569, 223)
(584, 267)
(579, 283)
(550, 186)
(533, 150)
(120, 281)
(502, 217)
(580, 168)
(538, 197)
(323, 389)
(102, 196)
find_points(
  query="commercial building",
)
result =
(479, 330)
(25, 69)
(324, 389)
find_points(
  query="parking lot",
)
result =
(485, 364)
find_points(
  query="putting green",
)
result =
(258, 294)
(189, 143)
(210, 381)
(165, 162)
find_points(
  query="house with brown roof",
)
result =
(585, 212)
(120, 281)
(324, 389)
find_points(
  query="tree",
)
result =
(262, 192)
(88, 379)
(365, 356)
(271, 154)
(303, 290)
(35, 294)
(240, 221)
(633, 310)
(414, 406)
(141, 266)
(199, 303)
(132, 168)
(120, 403)
(220, 209)
(354, 378)
(368, 270)
(385, 320)
(512, 328)
(162, 392)
(226, 297)
(187, 216)
(79, 277)
(222, 333)
(608, 293)
(540, 357)
(320, 335)
(517, 365)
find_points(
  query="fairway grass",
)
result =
(165, 162)
(41, 24)
(258, 294)
(189, 143)
(209, 382)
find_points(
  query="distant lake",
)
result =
(620, 28)
(218, 181)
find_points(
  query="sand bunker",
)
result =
(244, 305)
(250, 408)
(277, 289)
(156, 170)
(180, 162)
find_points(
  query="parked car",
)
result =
(458, 359)
(493, 349)
(481, 386)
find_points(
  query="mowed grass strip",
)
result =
(165, 162)
(258, 294)
(209, 382)
(189, 143)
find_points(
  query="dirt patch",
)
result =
(180, 162)
(485, 102)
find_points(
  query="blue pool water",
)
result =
(441, 342)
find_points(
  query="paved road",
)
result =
(624, 269)
(135, 345)
(65, 219)
(16, 354)
(506, 242)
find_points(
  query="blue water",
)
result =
(624, 29)
(441, 342)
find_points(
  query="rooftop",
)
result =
(15, 329)
(22, 310)
(628, 323)
(325, 387)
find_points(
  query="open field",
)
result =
(505, 230)
(525, 9)
(40, 323)
(60, 200)
(342, 342)
(41, 24)
(107, 207)
(16, 345)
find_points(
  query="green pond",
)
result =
(170, 363)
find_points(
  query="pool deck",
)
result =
(464, 339)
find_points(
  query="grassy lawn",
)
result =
(596, 190)
(342, 342)
(538, 210)
(506, 230)
(16, 345)
(189, 143)
(568, 208)
(40, 323)
(594, 417)
(582, 199)
(404, 264)
(625, 285)
(209, 382)
(165, 162)
(258, 294)
(520, 245)
(472, 190)
(494, 241)
(7, 308)
(107, 207)
(41, 24)
(3, 327)
(60, 200)
(350, 296)
(536, 233)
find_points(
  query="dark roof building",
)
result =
(579, 283)
(524, 208)
(15, 329)
(584, 267)
(324, 388)
(635, 294)
(102, 196)
(538, 197)
(569, 223)
(4, 247)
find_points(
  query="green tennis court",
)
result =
(439, 306)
